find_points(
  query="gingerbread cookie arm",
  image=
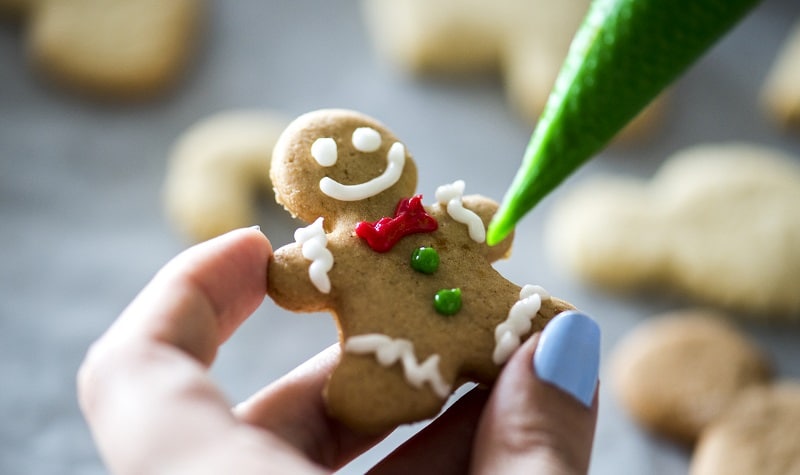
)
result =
(289, 284)
(485, 208)
(550, 308)
(472, 211)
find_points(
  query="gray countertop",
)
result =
(82, 226)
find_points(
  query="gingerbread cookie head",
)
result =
(418, 305)
(329, 161)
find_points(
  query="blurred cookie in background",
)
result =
(14, 9)
(526, 40)
(718, 223)
(113, 49)
(780, 96)
(758, 433)
(677, 372)
(218, 170)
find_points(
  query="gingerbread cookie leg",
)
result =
(402, 385)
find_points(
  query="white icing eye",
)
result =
(366, 139)
(324, 151)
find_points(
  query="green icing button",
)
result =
(447, 301)
(425, 260)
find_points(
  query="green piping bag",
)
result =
(624, 53)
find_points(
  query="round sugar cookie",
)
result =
(218, 169)
(676, 373)
(759, 433)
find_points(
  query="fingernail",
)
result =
(568, 355)
(257, 227)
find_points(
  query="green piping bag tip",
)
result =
(623, 55)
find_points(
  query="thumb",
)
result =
(542, 412)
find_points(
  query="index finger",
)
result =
(144, 387)
(201, 296)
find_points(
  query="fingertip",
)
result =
(537, 419)
(231, 270)
(201, 296)
(252, 238)
(568, 355)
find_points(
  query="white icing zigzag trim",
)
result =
(315, 248)
(508, 334)
(451, 196)
(389, 350)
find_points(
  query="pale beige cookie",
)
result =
(218, 171)
(114, 48)
(780, 95)
(719, 223)
(676, 373)
(419, 307)
(527, 40)
(758, 434)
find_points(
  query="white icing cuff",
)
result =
(450, 195)
(314, 246)
(508, 334)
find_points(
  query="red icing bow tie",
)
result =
(409, 218)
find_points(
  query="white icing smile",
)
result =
(396, 159)
(364, 139)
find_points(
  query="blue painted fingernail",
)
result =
(568, 355)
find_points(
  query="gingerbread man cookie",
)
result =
(418, 305)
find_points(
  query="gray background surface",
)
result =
(82, 229)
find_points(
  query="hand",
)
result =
(152, 408)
